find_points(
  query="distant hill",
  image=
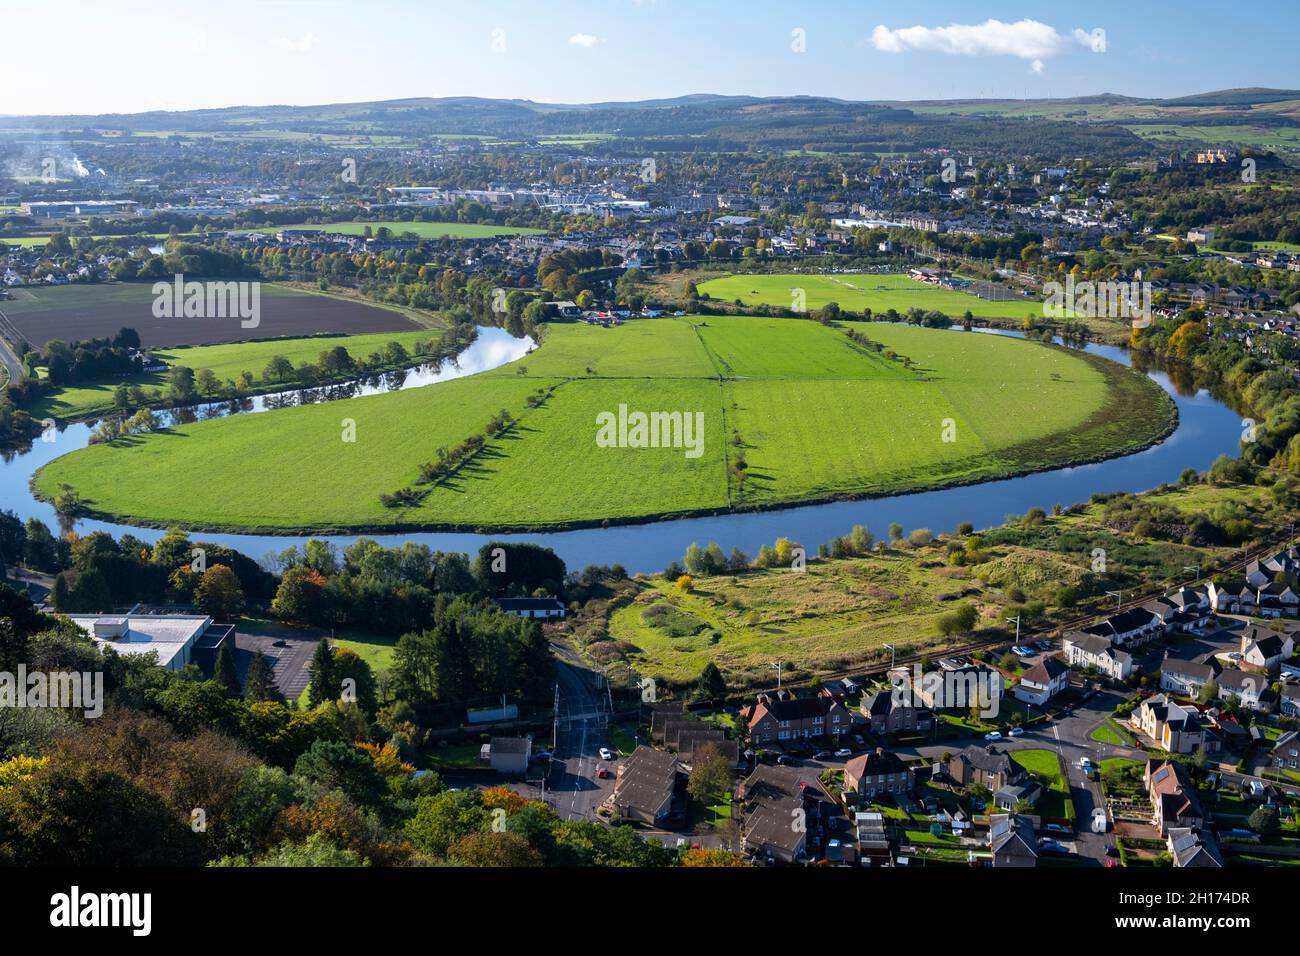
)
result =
(1059, 128)
(1239, 97)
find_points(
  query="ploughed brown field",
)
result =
(75, 312)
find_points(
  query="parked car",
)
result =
(844, 752)
(1016, 732)
(993, 735)
(785, 760)
(822, 755)
(1099, 822)
(606, 753)
(1051, 846)
(543, 755)
(1058, 828)
(602, 772)
(1112, 850)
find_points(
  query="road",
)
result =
(8, 358)
(582, 728)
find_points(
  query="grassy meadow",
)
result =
(811, 414)
(857, 292)
(226, 361)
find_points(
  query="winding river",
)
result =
(1206, 429)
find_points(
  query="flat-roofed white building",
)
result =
(171, 636)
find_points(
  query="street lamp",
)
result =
(776, 666)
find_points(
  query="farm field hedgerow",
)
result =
(855, 292)
(807, 412)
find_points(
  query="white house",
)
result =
(1186, 678)
(542, 609)
(1133, 626)
(1089, 650)
(1265, 648)
(1043, 681)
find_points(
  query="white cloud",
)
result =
(1026, 39)
(1037, 66)
(1094, 41)
(304, 44)
(584, 39)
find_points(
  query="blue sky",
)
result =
(86, 56)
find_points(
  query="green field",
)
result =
(1260, 247)
(138, 238)
(879, 293)
(226, 362)
(425, 230)
(814, 415)
(1045, 766)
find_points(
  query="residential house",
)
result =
(1265, 648)
(780, 811)
(1043, 681)
(1232, 597)
(957, 687)
(646, 788)
(1134, 626)
(1250, 691)
(878, 771)
(775, 719)
(1186, 678)
(1274, 600)
(1285, 754)
(1174, 801)
(1174, 728)
(1193, 606)
(1015, 795)
(888, 713)
(986, 766)
(1088, 650)
(543, 609)
(1289, 700)
(1192, 846)
(1012, 840)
